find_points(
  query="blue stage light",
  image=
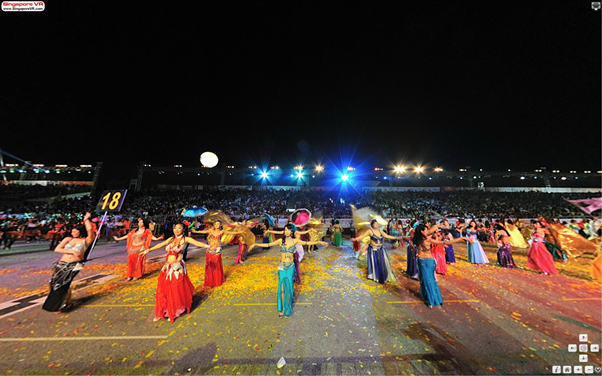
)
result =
(264, 174)
(345, 177)
(300, 175)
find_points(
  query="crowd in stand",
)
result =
(19, 215)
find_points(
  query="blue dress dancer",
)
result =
(429, 289)
(286, 267)
(476, 254)
(379, 267)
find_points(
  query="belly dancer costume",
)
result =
(429, 289)
(379, 267)
(174, 289)
(538, 257)
(450, 256)
(214, 269)
(412, 267)
(62, 276)
(286, 274)
(137, 243)
(438, 253)
(476, 254)
(504, 255)
(338, 237)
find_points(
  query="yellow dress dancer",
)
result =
(516, 238)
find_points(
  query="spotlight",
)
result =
(400, 169)
(319, 168)
(264, 174)
(419, 169)
(300, 175)
(345, 177)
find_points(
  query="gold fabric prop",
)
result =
(516, 238)
(362, 218)
(317, 229)
(219, 216)
(571, 243)
(597, 268)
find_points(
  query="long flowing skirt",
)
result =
(62, 276)
(297, 271)
(338, 239)
(504, 256)
(429, 289)
(556, 252)
(135, 266)
(174, 293)
(450, 256)
(214, 270)
(242, 248)
(285, 291)
(476, 254)
(411, 268)
(538, 258)
(439, 256)
(379, 267)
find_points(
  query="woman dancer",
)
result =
(337, 234)
(411, 265)
(286, 268)
(538, 257)
(446, 231)
(379, 267)
(73, 249)
(298, 254)
(438, 252)
(476, 254)
(174, 289)
(504, 252)
(214, 269)
(137, 241)
(242, 243)
(429, 289)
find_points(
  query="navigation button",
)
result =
(577, 369)
(582, 337)
(594, 348)
(583, 348)
(589, 369)
(567, 369)
(583, 358)
(572, 348)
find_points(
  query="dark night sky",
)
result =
(491, 85)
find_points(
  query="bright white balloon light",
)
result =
(209, 159)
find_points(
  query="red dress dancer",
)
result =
(438, 252)
(174, 289)
(137, 241)
(538, 256)
(214, 269)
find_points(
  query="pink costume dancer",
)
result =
(538, 257)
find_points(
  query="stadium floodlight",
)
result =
(419, 169)
(438, 169)
(299, 175)
(345, 177)
(400, 169)
(264, 174)
(319, 168)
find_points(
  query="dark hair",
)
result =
(419, 237)
(499, 227)
(82, 230)
(145, 221)
(291, 227)
(372, 222)
(221, 225)
(336, 222)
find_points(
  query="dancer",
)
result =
(298, 254)
(73, 249)
(137, 241)
(337, 234)
(243, 238)
(286, 268)
(446, 231)
(214, 269)
(438, 252)
(379, 267)
(538, 257)
(504, 252)
(516, 238)
(174, 289)
(429, 289)
(476, 254)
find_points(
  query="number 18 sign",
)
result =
(111, 201)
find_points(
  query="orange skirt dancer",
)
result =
(438, 252)
(137, 242)
(174, 289)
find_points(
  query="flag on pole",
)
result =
(588, 205)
